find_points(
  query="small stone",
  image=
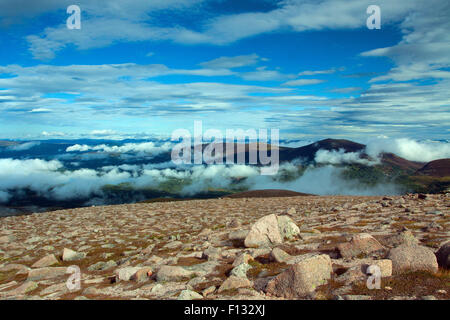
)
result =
(291, 212)
(101, 265)
(356, 297)
(212, 253)
(279, 255)
(242, 258)
(126, 273)
(173, 273)
(361, 244)
(233, 282)
(154, 260)
(148, 250)
(189, 295)
(240, 271)
(71, 255)
(301, 278)
(173, 245)
(235, 223)
(28, 286)
(46, 261)
(208, 291)
(46, 273)
(142, 275)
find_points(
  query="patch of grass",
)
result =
(189, 261)
(202, 286)
(264, 264)
(326, 291)
(409, 284)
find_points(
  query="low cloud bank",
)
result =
(24, 146)
(422, 151)
(342, 157)
(326, 180)
(138, 148)
(51, 180)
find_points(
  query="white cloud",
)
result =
(139, 148)
(105, 132)
(341, 157)
(232, 62)
(24, 146)
(316, 72)
(113, 23)
(346, 90)
(422, 151)
(40, 110)
(52, 134)
(263, 74)
(302, 82)
(423, 51)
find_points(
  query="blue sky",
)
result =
(311, 69)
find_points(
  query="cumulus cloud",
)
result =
(52, 134)
(144, 147)
(326, 180)
(422, 151)
(341, 157)
(49, 179)
(106, 24)
(103, 132)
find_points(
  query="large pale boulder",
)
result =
(264, 233)
(288, 229)
(360, 245)
(301, 278)
(407, 258)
